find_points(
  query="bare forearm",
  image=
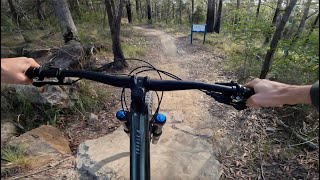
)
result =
(294, 95)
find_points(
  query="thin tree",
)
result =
(155, 10)
(114, 19)
(274, 21)
(75, 5)
(62, 12)
(129, 13)
(314, 24)
(149, 11)
(192, 10)
(180, 11)
(141, 11)
(275, 40)
(137, 9)
(14, 13)
(236, 18)
(258, 9)
(40, 12)
(210, 15)
(168, 11)
(218, 18)
(173, 10)
(303, 21)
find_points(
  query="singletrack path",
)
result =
(192, 138)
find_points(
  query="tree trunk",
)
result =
(114, 19)
(192, 10)
(210, 15)
(274, 21)
(141, 12)
(62, 12)
(137, 9)
(218, 20)
(314, 24)
(149, 12)
(129, 13)
(275, 40)
(155, 10)
(303, 21)
(76, 7)
(14, 14)
(168, 11)
(258, 9)
(40, 12)
(236, 18)
(173, 10)
(180, 11)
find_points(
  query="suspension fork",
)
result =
(139, 132)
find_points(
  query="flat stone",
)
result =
(45, 140)
(8, 130)
(52, 95)
(178, 155)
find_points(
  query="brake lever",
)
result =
(236, 100)
(228, 100)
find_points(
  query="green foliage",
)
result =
(91, 99)
(133, 50)
(199, 15)
(246, 51)
(13, 154)
(13, 159)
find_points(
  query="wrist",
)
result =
(295, 95)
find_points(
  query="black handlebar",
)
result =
(234, 92)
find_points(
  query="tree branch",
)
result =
(298, 136)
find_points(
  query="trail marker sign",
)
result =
(199, 28)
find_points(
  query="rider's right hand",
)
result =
(274, 94)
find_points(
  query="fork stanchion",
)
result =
(158, 123)
(122, 116)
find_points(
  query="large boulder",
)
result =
(45, 140)
(8, 130)
(51, 95)
(178, 155)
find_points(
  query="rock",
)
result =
(270, 129)
(45, 140)
(8, 130)
(4, 103)
(52, 95)
(71, 55)
(93, 118)
(178, 155)
(36, 53)
(8, 52)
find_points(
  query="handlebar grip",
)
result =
(32, 72)
(248, 92)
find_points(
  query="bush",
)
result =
(198, 15)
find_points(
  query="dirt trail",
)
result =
(187, 107)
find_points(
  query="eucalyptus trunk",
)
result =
(275, 40)
(62, 12)
(218, 18)
(210, 15)
(274, 21)
(114, 19)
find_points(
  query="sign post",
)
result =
(199, 28)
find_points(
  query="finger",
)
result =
(250, 102)
(252, 83)
(33, 63)
(23, 79)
